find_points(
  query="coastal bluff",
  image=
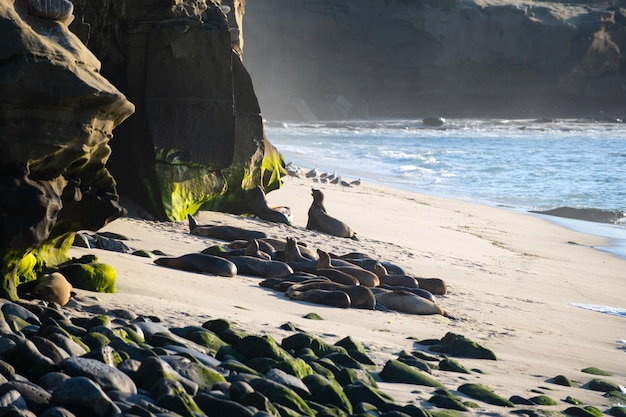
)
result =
(322, 59)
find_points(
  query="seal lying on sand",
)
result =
(406, 302)
(228, 233)
(366, 278)
(320, 220)
(261, 209)
(53, 287)
(333, 298)
(200, 262)
(256, 267)
(394, 280)
(360, 296)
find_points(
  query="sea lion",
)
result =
(394, 280)
(320, 220)
(248, 265)
(406, 302)
(417, 291)
(325, 297)
(264, 246)
(366, 278)
(261, 209)
(282, 284)
(435, 285)
(360, 296)
(253, 250)
(54, 288)
(200, 262)
(369, 263)
(292, 251)
(228, 233)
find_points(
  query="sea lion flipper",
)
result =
(192, 223)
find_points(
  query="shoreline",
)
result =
(512, 279)
(577, 220)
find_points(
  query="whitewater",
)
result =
(516, 164)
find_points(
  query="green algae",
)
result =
(96, 276)
(543, 400)
(596, 371)
(602, 385)
(396, 371)
(485, 394)
(327, 391)
(300, 341)
(312, 316)
(451, 365)
(262, 347)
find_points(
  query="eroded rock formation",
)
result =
(330, 59)
(56, 117)
(197, 136)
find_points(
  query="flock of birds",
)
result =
(319, 176)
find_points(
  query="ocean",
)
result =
(524, 165)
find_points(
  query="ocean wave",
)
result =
(614, 311)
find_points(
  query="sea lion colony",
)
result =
(351, 280)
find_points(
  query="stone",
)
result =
(35, 397)
(107, 377)
(53, 162)
(396, 371)
(92, 401)
(484, 393)
(211, 148)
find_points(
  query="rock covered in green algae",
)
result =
(543, 400)
(485, 394)
(443, 398)
(588, 411)
(451, 365)
(263, 347)
(94, 276)
(617, 411)
(396, 371)
(327, 391)
(460, 346)
(302, 340)
(596, 371)
(602, 385)
(562, 380)
(355, 349)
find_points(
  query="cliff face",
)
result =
(340, 59)
(56, 117)
(197, 135)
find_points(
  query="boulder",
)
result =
(57, 113)
(196, 139)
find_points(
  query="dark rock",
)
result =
(28, 361)
(35, 397)
(598, 384)
(57, 412)
(212, 141)
(485, 394)
(460, 346)
(396, 371)
(519, 400)
(49, 349)
(13, 399)
(49, 381)
(91, 401)
(359, 393)
(326, 391)
(280, 394)
(219, 407)
(107, 377)
(290, 381)
(54, 179)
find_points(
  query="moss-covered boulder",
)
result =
(458, 345)
(262, 347)
(598, 384)
(485, 394)
(95, 276)
(280, 394)
(396, 371)
(327, 391)
(359, 393)
(300, 341)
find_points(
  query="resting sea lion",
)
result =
(435, 285)
(406, 302)
(200, 262)
(368, 263)
(248, 265)
(331, 298)
(282, 284)
(366, 278)
(320, 220)
(360, 296)
(417, 291)
(53, 287)
(394, 280)
(228, 233)
(265, 212)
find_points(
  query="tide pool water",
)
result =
(518, 164)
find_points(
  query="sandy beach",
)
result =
(512, 279)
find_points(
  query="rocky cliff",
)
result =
(330, 59)
(56, 117)
(196, 137)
